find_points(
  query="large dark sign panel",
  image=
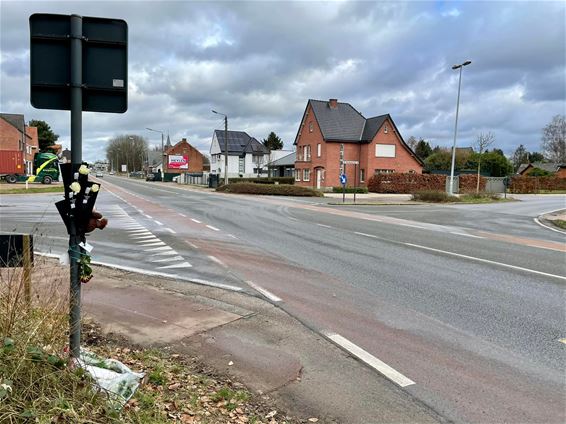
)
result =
(104, 63)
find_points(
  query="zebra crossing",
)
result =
(155, 250)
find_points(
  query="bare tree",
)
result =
(412, 142)
(554, 139)
(129, 150)
(483, 141)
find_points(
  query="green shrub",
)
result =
(269, 189)
(339, 189)
(434, 196)
(263, 180)
(479, 196)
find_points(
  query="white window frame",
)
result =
(298, 174)
(306, 174)
(319, 150)
(385, 150)
(362, 175)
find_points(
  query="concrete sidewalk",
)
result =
(253, 341)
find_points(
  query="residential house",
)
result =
(332, 131)
(247, 157)
(182, 157)
(558, 169)
(283, 167)
(16, 135)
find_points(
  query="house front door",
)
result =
(319, 178)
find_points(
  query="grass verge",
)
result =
(269, 189)
(38, 382)
(471, 198)
(560, 223)
(31, 190)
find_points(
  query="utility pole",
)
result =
(225, 146)
(162, 154)
(451, 186)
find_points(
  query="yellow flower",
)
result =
(75, 187)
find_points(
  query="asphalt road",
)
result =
(466, 302)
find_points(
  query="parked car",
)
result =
(112, 173)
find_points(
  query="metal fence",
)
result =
(194, 178)
(492, 184)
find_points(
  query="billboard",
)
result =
(178, 162)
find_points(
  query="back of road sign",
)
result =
(104, 64)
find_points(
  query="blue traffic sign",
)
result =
(343, 179)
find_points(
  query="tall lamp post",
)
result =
(451, 186)
(162, 164)
(225, 146)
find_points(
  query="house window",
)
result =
(384, 171)
(242, 165)
(384, 150)
(307, 153)
(362, 175)
(297, 175)
(411, 171)
(306, 174)
(318, 150)
(310, 126)
(385, 128)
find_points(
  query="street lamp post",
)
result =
(225, 146)
(451, 186)
(162, 164)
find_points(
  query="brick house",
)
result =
(16, 135)
(328, 127)
(179, 152)
(555, 168)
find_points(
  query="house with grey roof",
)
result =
(333, 138)
(247, 157)
(552, 167)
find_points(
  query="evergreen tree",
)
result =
(423, 149)
(273, 142)
(45, 134)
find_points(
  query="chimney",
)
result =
(184, 139)
(333, 103)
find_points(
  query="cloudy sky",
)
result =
(259, 62)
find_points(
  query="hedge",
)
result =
(412, 183)
(269, 189)
(525, 184)
(339, 189)
(406, 183)
(264, 180)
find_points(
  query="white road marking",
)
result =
(170, 230)
(194, 246)
(292, 219)
(158, 249)
(147, 216)
(323, 225)
(147, 240)
(139, 231)
(183, 215)
(150, 243)
(181, 265)
(410, 225)
(212, 228)
(548, 227)
(215, 259)
(232, 235)
(143, 236)
(364, 356)
(212, 284)
(486, 261)
(365, 235)
(464, 234)
(157, 222)
(263, 291)
(165, 253)
(196, 220)
(173, 259)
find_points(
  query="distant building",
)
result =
(558, 169)
(247, 157)
(17, 136)
(331, 131)
(283, 167)
(182, 157)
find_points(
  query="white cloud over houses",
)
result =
(259, 62)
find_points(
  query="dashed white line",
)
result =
(212, 228)
(324, 225)
(147, 216)
(365, 234)
(157, 222)
(364, 356)
(150, 243)
(464, 234)
(194, 246)
(170, 230)
(215, 259)
(196, 220)
(181, 265)
(232, 235)
(263, 291)
(519, 268)
(157, 249)
(183, 215)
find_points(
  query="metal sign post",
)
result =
(78, 64)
